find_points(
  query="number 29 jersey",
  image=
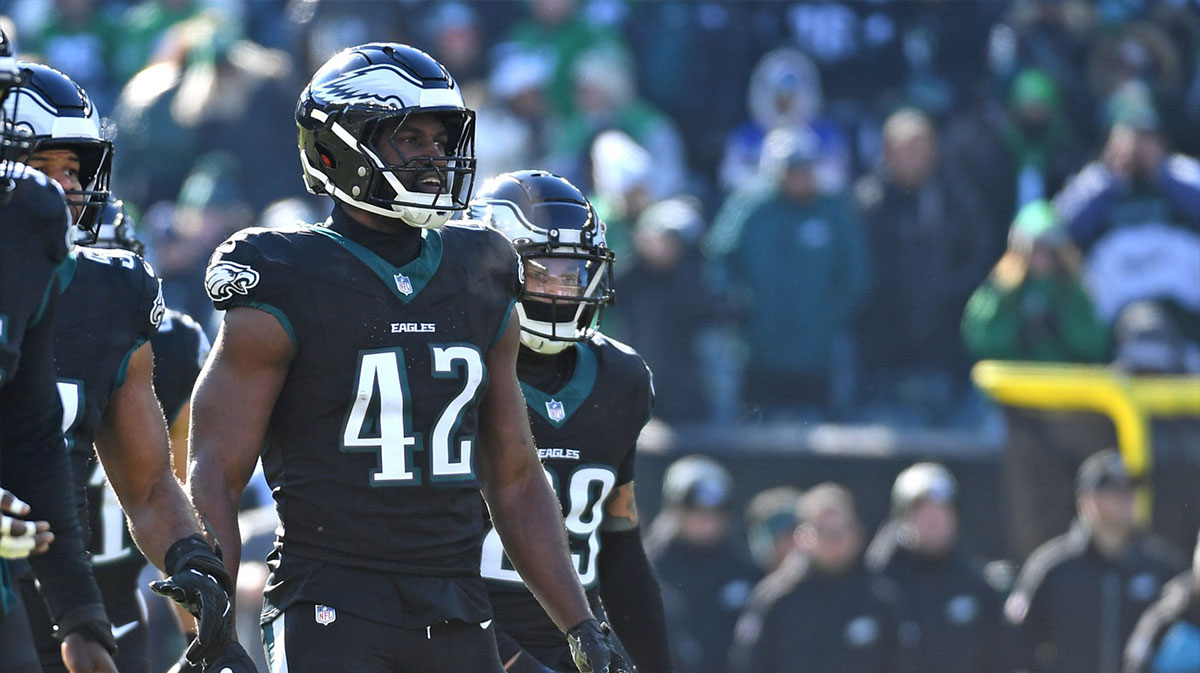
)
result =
(371, 446)
(586, 434)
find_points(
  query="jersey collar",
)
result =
(407, 281)
(558, 408)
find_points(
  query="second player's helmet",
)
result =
(561, 242)
(114, 230)
(56, 113)
(343, 112)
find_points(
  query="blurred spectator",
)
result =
(1078, 596)
(771, 526)
(688, 47)
(785, 93)
(1033, 306)
(1135, 213)
(210, 207)
(703, 572)
(513, 125)
(79, 37)
(929, 235)
(624, 185)
(821, 611)
(217, 93)
(605, 98)
(143, 28)
(1135, 52)
(665, 303)
(1042, 149)
(796, 262)
(953, 618)
(560, 33)
(454, 33)
(1052, 36)
(1148, 342)
(1167, 637)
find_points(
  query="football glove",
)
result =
(231, 659)
(593, 651)
(199, 584)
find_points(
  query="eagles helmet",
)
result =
(567, 262)
(113, 230)
(354, 105)
(57, 114)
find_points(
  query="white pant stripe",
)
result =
(277, 654)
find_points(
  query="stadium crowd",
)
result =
(822, 211)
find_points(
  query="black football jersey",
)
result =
(371, 446)
(180, 348)
(33, 246)
(111, 306)
(586, 433)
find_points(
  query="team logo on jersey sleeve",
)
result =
(555, 410)
(225, 279)
(159, 309)
(403, 284)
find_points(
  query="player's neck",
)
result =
(398, 244)
(547, 373)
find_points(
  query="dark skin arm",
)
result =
(231, 407)
(132, 446)
(524, 509)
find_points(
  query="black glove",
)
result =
(231, 659)
(592, 650)
(199, 583)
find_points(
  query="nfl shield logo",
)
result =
(556, 411)
(403, 284)
(325, 615)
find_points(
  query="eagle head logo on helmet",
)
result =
(565, 257)
(363, 91)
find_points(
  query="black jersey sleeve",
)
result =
(242, 273)
(151, 307)
(180, 349)
(640, 402)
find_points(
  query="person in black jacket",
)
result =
(1079, 595)
(1167, 637)
(951, 616)
(821, 611)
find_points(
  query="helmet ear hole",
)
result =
(326, 156)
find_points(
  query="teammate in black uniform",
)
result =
(372, 361)
(111, 305)
(588, 398)
(33, 250)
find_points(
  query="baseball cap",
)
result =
(1103, 470)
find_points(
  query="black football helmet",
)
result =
(567, 263)
(114, 229)
(343, 117)
(55, 113)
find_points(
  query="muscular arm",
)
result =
(628, 585)
(231, 407)
(132, 446)
(524, 509)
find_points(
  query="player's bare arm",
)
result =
(524, 509)
(231, 406)
(620, 510)
(132, 445)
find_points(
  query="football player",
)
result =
(33, 253)
(110, 307)
(180, 348)
(588, 398)
(372, 362)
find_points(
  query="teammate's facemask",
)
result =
(14, 144)
(566, 260)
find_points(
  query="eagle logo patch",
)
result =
(225, 279)
(555, 410)
(159, 309)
